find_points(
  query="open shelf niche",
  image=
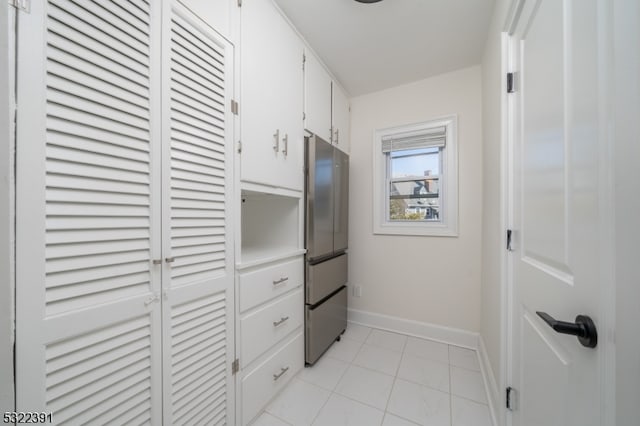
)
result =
(271, 228)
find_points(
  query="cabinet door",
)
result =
(101, 200)
(340, 119)
(198, 266)
(272, 91)
(317, 98)
(88, 321)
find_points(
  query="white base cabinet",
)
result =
(265, 327)
(264, 284)
(271, 324)
(261, 383)
(270, 279)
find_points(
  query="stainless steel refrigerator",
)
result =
(326, 232)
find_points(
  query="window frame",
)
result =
(447, 226)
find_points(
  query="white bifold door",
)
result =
(124, 295)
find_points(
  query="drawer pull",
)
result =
(280, 281)
(277, 323)
(282, 371)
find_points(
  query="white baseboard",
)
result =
(449, 335)
(490, 383)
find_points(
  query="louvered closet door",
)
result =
(198, 221)
(88, 209)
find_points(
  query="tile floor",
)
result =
(374, 377)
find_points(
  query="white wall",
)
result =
(429, 279)
(627, 205)
(6, 222)
(493, 234)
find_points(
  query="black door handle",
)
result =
(584, 328)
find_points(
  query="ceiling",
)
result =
(370, 47)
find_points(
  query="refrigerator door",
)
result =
(324, 278)
(324, 324)
(320, 198)
(341, 201)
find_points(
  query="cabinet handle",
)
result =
(276, 141)
(154, 298)
(337, 136)
(282, 320)
(282, 371)
(169, 259)
(280, 281)
(286, 144)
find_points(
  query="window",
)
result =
(415, 179)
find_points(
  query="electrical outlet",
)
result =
(357, 291)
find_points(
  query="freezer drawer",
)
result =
(324, 278)
(324, 324)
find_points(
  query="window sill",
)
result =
(416, 229)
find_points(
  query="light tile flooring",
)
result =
(374, 377)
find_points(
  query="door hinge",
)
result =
(509, 238)
(304, 60)
(304, 116)
(235, 366)
(239, 3)
(510, 399)
(23, 5)
(234, 107)
(239, 147)
(510, 82)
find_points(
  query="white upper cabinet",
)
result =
(317, 97)
(340, 118)
(272, 98)
(326, 106)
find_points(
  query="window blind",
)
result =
(426, 138)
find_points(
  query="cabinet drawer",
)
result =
(258, 286)
(265, 327)
(263, 382)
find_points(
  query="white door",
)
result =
(561, 215)
(198, 267)
(88, 318)
(124, 215)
